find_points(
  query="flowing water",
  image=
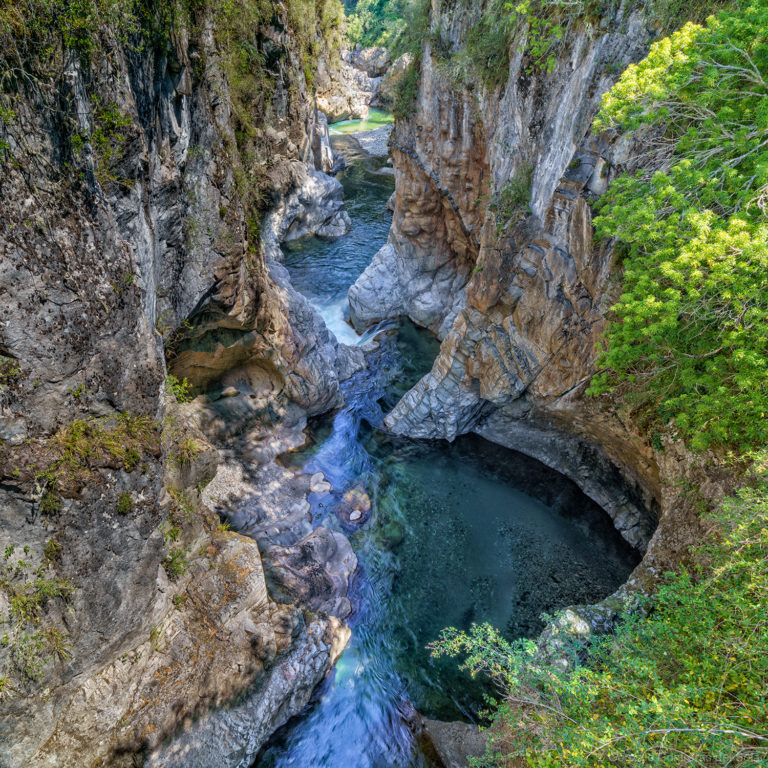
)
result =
(456, 533)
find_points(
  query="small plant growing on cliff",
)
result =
(176, 563)
(183, 503)
(125, 503)
(107, 138)
(9, 370)
(170, 531)
(28, 640)
(186, 451)
(513, 200)
(52, 551)
(180, 390)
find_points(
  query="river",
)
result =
(456, 533)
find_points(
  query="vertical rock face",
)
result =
(346, 87)
(519, 308)
(126, 241)
(518, 296)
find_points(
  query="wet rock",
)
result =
(454, 743)
(318, 483)
(355, 506)
(315, 571)
(315, 206)
(325, 160)
(266, 707)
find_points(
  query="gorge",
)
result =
(289, 386)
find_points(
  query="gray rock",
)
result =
(315, 206)
(373, 61)
(344, 91)
(455, 743)
(325, 159)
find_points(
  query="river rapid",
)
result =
(455, 533)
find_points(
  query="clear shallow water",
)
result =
(323, 270)
(457, 533)
(376, 118)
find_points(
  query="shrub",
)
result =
(180, 390)
(688, 340)
(27, 639)
(407, 90)
(513, 200)
(176, 563)
(124, 503)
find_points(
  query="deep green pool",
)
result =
(376, 118)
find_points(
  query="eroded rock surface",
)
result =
(348, 86)
(125, 260)
(519, 296)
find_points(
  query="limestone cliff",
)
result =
(134, 179)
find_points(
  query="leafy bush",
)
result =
(514, 197)
(683, 686)
(27, 640)
(407, 90)
(689, 336)
(124, 503)
(374, 22)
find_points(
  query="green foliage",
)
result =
(171, 532)
(375, 22)
(28, 642)
(407, 90)
(684, 685)
(183, 503)
(488, 44)
(410, 41)
(107, 139)
(176, 563)
(689, 338)
(180, 390)
(186, 450)
(52, 551)
(125, 503)
(9, 371)
(513, 200)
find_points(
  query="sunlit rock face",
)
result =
(520, 300)
(519, 308)
(346, 87)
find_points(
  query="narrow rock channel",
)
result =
(445, 534)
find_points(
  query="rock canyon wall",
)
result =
(130, 249)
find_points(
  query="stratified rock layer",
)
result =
(519, 297)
